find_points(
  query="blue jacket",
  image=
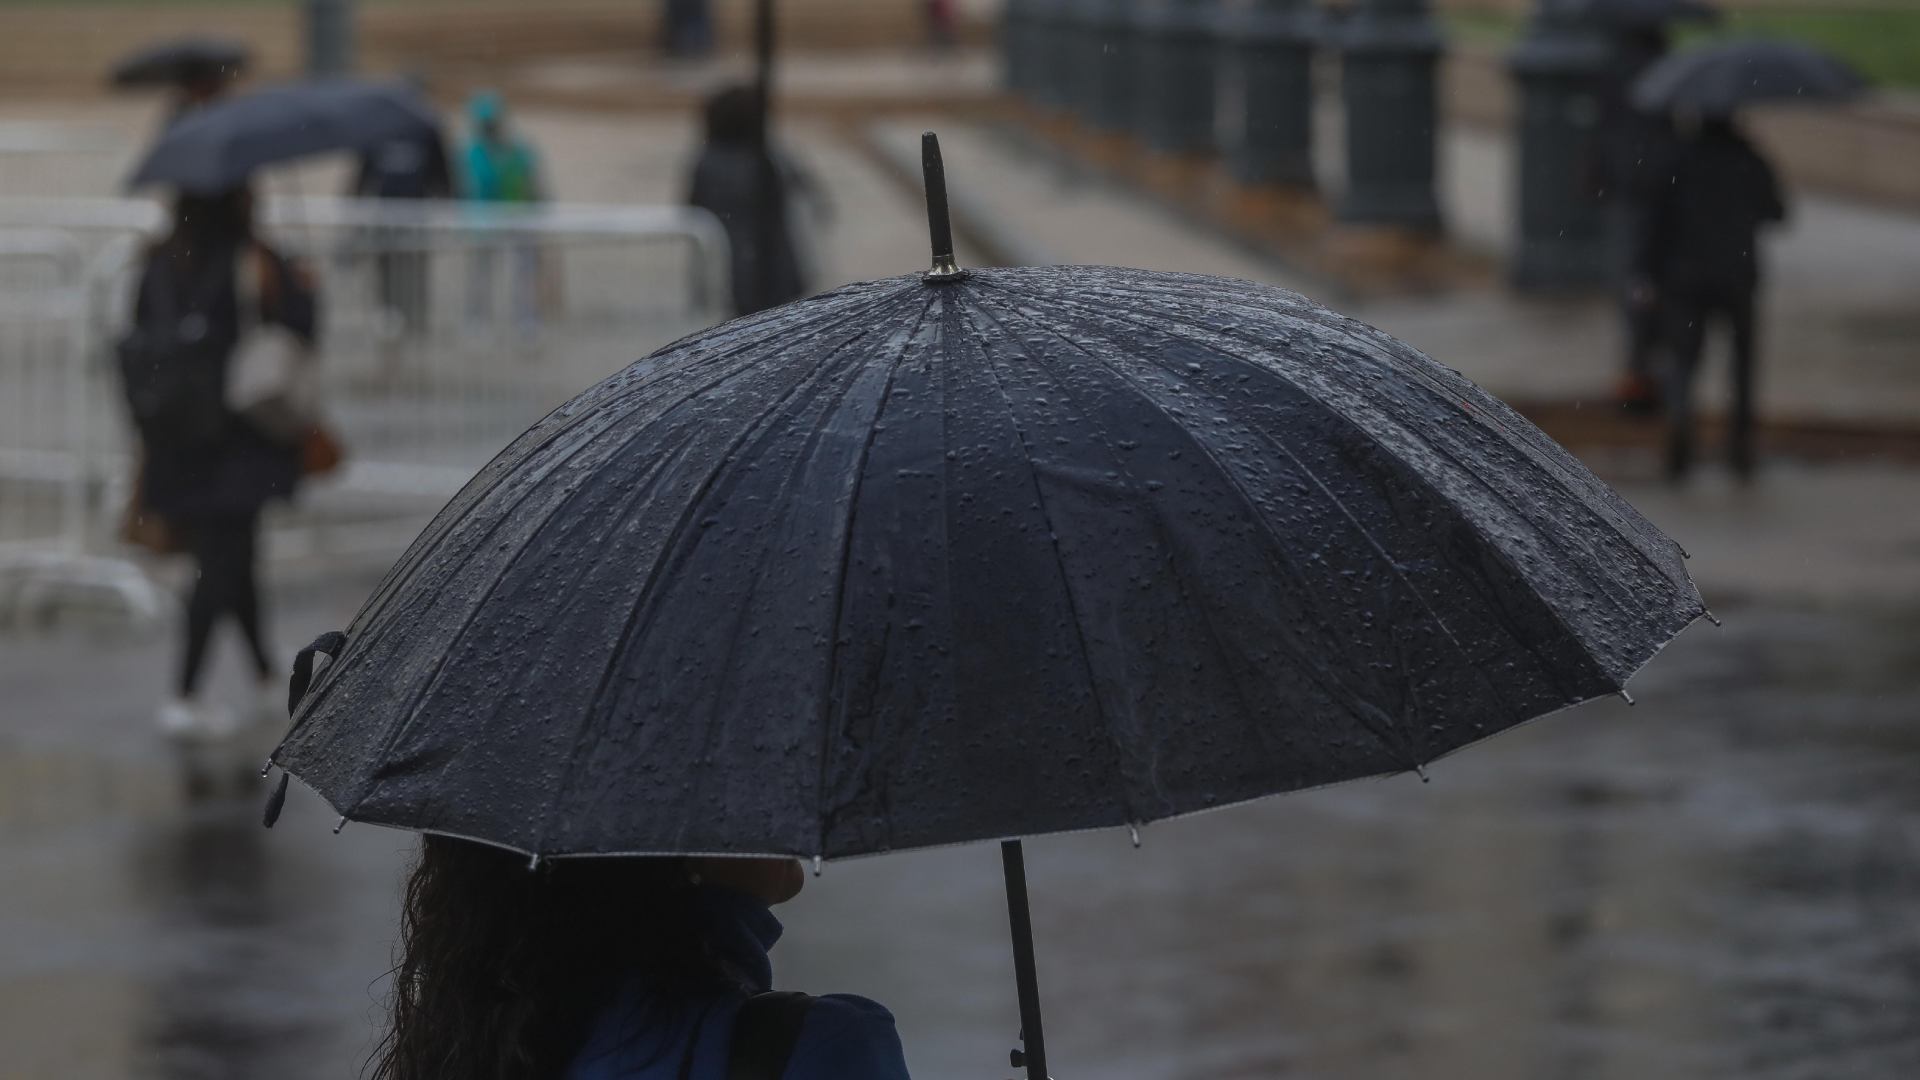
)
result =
(843, 1037)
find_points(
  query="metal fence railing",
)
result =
(446, 331)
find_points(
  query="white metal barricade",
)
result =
(49, 418)
(446, 330)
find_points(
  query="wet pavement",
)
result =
(1718, 882)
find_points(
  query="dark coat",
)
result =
(1703, 227)
(742, 186)
(636, 1036)
(235, 475)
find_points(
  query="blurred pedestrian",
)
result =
(1633, 157)
(499, 166)
(687, 31)
(208, 292)
(406, 169)
(750, 186)
(1702, 242)
(942, 25)
(199, 84)
(611, 969)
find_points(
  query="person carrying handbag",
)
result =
(217, 371)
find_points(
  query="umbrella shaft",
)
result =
(1034, 1045)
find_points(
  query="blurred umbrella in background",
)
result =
(219, 145)
(1716, 80)
(970, 556)
(182, 61)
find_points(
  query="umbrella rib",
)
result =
(429, 539)
(1419, 368)
(840, 583)
(1598, 500)
(1066, 580)
(1309, 664)
(711, 729)
(1159, 520)
(642, 602)
(1392, 564)
(408, 715)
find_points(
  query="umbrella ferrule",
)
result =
(945, 268)
(939, 225)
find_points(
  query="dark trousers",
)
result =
(224, 551)
(1688, 315)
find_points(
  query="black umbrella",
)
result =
(219, 145)
(170, 63)
(1642, 13)
(978, 555)
(1718, 79)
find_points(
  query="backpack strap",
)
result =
(764, 1033)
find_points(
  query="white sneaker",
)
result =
(189, 720)
(177, 719)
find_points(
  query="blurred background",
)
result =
(1719, 881)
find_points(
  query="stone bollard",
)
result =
(1562, 240)
(1016, 44)
(1050, 56)
(1272, 42)
(329, 37)
(1388, 50)
(1176, 61)
(1106, 73)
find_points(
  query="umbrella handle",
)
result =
(1034, 1053)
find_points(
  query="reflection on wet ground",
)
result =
(1719, 882)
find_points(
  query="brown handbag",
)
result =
(320, 452)
(145, 529)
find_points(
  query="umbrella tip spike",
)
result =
(939, 221)
(818, 865)
(338, 825)
(1134, 832)
(266, 768)
(533, 862)
(1628, 698)
(1711, 617)
(1420, 771)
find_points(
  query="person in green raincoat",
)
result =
(498, 166)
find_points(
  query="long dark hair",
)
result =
(502, 967)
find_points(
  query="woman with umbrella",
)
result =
(939, 558)
(209, 293)
(206, 291)
(1701, 240)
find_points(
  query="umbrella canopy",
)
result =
(1643, 13)
(1719, 79)
(219, 145)
(1025, 550)
(170, 63)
